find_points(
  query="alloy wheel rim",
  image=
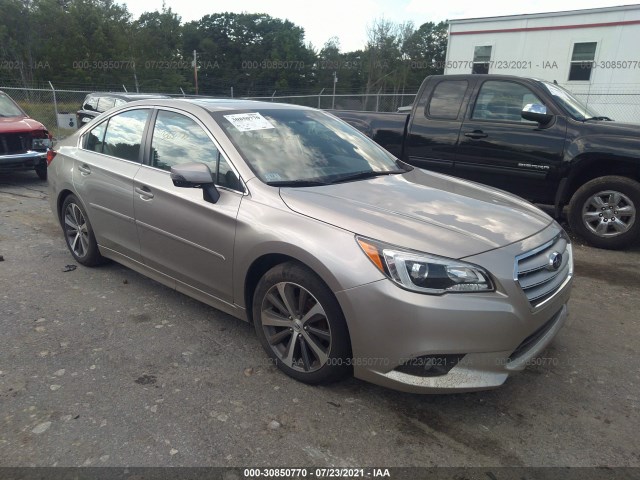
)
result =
(76, 230)
(609, 213)
(296, 327)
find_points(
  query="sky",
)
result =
(348, 19)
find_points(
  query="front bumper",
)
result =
(494, 334)
(23, 161)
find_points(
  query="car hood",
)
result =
(602, 127)
(19, 124)
(423, 211)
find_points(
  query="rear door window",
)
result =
(447, 99)
(124, 134)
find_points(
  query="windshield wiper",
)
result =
(366, 174)
(297, 183)
(599, 118)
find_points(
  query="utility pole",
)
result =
(333, 101)
(195, 69)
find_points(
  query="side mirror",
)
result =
(196, 175)
(536, 113)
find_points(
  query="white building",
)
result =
(594, 53)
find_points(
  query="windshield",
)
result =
(571, 104)
(8, 108)
(295, 146)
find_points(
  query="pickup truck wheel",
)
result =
(41, 172)
(604, 212)
(300, 325)
(78, 233)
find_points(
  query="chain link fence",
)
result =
(620, 102)
(56, 109)
(374, 102)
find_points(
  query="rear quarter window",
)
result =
(124, 135)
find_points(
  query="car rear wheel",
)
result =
(300, 325)
(41, 172)
(78, 233)
(604, 212)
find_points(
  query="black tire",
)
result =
(604, 212)
(320, 346)
(41, 172)
(78, 233)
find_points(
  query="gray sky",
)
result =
(348, 19)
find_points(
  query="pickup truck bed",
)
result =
(387, 129)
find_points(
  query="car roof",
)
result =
(127, 96)
(220, 104)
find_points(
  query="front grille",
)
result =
(537, 276)
(12, 143)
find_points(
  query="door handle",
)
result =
(476, 134)
(84, 169)
(144, 192)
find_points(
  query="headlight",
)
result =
(424, 273)
(40, 143)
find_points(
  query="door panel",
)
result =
(499, 148)
(105, 183)
(185, 237)
(181, 234)
(433, 134)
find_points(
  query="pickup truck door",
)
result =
(499, 148)
(432, 138)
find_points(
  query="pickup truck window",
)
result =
(503, 101)
(447, 99)
(569, 103)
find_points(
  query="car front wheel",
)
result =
(604, 212)
(300, 325)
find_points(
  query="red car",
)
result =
(24, 142)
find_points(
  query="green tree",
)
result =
(156, 47)
(426, 49)
(254, 53)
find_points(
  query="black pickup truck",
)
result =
(526, 136)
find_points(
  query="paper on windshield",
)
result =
(247, 122)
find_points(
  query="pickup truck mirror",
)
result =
(195, 175)
(536, 113)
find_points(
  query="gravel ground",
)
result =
(103, 367)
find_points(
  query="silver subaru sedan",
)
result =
(345, 259)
